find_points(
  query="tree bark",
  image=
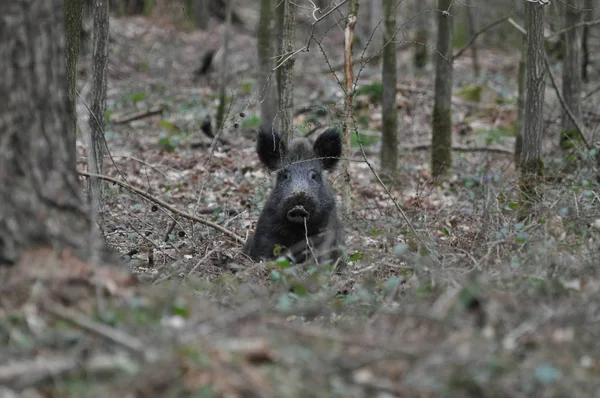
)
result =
(520, 107)
(349, 80)
(223, 67)
(376, 21)
(531, 159)
(389, 128)
(285, 73)
(571, 79)
(73, 26)
(268, 99)
(588, 16)
(96, 121)
(42, 204)
(472, 30)
(441, 143)
(421, 36)
(200, 12)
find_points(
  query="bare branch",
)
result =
(151, 198)
(482, 30)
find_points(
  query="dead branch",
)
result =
(314, 333)
(165, 205)
(362, 60)
(138, 115)
(480, 31)
(116, 336)
(28, 373)
(576, 122)
(460, 148)
(577, 25)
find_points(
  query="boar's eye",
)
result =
(313, 175)
(285, 175)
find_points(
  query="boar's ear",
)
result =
(329, 147)
(270, 148)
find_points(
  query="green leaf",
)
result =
(275, 275)
(401, 248)
(355, 257)
(547, 374)
(282, 262)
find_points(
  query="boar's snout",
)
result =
(298, 208)
(297, 214)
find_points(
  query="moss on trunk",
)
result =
(441, 143)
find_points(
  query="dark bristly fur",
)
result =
(300, 184)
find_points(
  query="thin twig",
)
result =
(575, 26)
(576, 122)
(482, 30)
(165, 205)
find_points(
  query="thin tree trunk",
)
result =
(472, 29)
(520, 107)
(571, 80)
(531, 159)
(224, 66)
(42, 203)
(375, 22)
(389, 128)
(285, 73)
(441, 143)
(96, 144)
(264, 42)
(348, 41)
(73, 27)
(421, 36)
(201, 15)
(585, 50)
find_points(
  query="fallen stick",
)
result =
(138, 115)
(159, 202)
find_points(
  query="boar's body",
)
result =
(301, 204)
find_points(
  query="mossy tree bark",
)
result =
(389, 127)
(42, 203)
(441, 144)
(266, 83)
(571, 79)
(531, 159)
(286, 16)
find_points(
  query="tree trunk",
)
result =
(588, 17)
(520, 107)
(223, 67)
(285, 72)
(571, 81)
(472, 29)
(531, 159)
(349, 80)
(201, 15)
(441, 142)
(73, 27)
(96, 143)
(421, 36)
(42, 204)
(389, 128)
(264, 42)
(376, 22)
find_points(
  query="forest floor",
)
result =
(493, 307)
